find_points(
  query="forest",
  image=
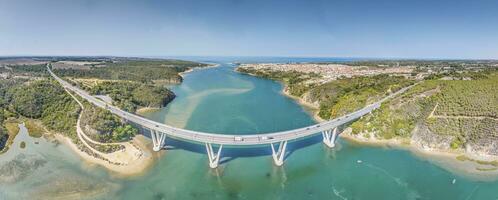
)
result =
(5, 84)
(346, 95)
(140, 71)
(105, 126)
(132, 95)
(28, 93)
(47, 101)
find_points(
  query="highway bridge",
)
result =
(159, 131)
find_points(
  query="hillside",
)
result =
(28, 94)
(336, 97)
(452, 108)
(440, 114)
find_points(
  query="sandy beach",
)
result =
(134, 159)
(182, 74)
(137, 164)
(146, 110)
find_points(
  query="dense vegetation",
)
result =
(343, 96)
(4, 106)
(4, 136)
(28, 70)
(397, 121)
(295, 81)
(37, 97)
(130, 81)
(464, 110)
(469, 98)
(105, 126)
(47, 101)
(456, 106)
(130, 95)
(144, 71)
(337, 97)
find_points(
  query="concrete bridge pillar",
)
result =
(279, 155)
(329, 137)
(158, 139)
(214, 157)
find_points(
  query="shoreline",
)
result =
(307, 106)
(140, 166)
(134, 159)
(445, 159)
(311, 109)
(184, 73)
(146, 110)
(448, 160)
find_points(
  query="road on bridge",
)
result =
(227, 139)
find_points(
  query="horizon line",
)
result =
(248, 56)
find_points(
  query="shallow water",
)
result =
(222, 101)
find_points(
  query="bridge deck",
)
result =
(225, 139)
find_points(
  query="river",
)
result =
(220, 100)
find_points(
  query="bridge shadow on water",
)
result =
(230, 153)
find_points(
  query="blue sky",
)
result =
(318, 28)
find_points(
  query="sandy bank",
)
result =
(133, 159)
(146, 110)
(182, 74)
(137, 162)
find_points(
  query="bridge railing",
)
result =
(230, 139)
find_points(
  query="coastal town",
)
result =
(329, 71)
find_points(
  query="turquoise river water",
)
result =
(220, 100)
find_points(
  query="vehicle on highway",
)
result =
(238, 138)
(266, 138)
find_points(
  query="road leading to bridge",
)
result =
(159, 131)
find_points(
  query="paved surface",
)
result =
(226, 139)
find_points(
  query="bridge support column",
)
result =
(329, 137)
(158, 139)
(279, 155)
(214, 157)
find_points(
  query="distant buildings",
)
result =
(330, 71)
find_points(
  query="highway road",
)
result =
(225, 139)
